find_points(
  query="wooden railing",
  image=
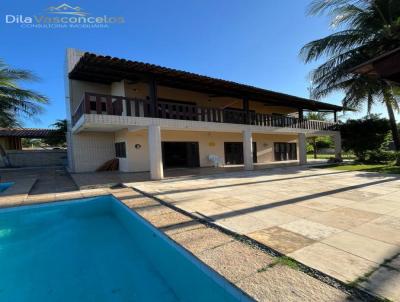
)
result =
(93, 103)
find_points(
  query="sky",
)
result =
(252, 42)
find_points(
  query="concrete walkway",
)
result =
(344, 224)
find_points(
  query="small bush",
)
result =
(334, 160)
(379, 156)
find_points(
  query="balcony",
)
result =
(93, 103)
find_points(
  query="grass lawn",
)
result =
(389, 169)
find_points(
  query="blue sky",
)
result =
(254, 42)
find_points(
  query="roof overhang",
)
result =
(386, 66)
(106, 69)
(28, 132)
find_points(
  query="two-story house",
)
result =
(151, 117)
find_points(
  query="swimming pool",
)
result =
(5, 185)
(97, 249)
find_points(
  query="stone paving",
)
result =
(344, 224)
(246, 266)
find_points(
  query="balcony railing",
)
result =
(93, 103)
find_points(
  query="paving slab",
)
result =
(242, 224)
(310, 229)
(336, 263)
(385, 282)
(344, 218)
(319, 205)
(281, 240)
(298, 211)
(356, 195)
(364, 247)
(273, 217)
(385, 228)
(376, 205)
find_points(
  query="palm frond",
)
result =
(15, 101)
(333, 44)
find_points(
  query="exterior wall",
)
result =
(137, 159)
(78, 88)
(36, 158)
(74, 91)
(140, 90)
(91, 150)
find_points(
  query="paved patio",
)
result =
(108, 178)
(344, 224)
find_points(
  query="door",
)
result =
(180, 154)
(292, 152)
(285, 151)
(234, 153)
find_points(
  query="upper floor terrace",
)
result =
(115, 87)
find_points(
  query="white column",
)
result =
(248, 150)
(302, 148)
(155, 155)
(337, 139)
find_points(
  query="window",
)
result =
(285, 151)
(120, 150)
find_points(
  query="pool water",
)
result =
(5, 185)
(96, 249)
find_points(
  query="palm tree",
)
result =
(16, 102)
(59, 138)
(364, 30)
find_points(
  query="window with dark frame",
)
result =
(120, 150)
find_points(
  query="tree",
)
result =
(16, 102)
(365, 29)
(362, 135)
(58, 138)
(316, 116)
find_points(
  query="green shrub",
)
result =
(365, 134)
(397, 163)
(379, 156)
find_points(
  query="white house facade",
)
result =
(152, 118)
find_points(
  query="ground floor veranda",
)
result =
(158, 145)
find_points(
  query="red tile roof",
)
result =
(106, 69)
(27, 132)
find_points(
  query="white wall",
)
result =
(36, 158)
(137, 160)
(91, 150)
(80, 144)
